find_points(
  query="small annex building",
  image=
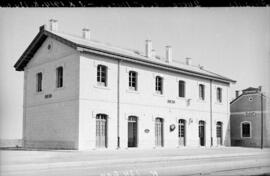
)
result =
(83, 94)
(250, 119)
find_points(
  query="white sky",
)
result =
(233, 42)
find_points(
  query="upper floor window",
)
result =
(246, 129)
(181, 88)
(219, 94)
(159, 85)
(102, 75)
(201, 91)
(59, 77)
(39, 81)
(132, 80)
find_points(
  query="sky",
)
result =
(233, 42)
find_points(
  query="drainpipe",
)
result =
(261, 121)
(211, 130)
(118, 102)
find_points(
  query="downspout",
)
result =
(24, 108)
(261, 121)
(118, 102)
(211, 113)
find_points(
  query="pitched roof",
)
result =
(250, 89)
(84, 45)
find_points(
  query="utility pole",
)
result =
(261, 121)
(211, 114)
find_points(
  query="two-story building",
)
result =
(83, 94)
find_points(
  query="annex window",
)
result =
(181, 88)
(59, 77)
(102, 75)
(159, 85)
(246, 129)
(39, 81)
(132, 80)
(219, 94)
(201, 91)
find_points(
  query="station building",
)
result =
(250, 119)
(82, 94)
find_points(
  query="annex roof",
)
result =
(247, 91)
(91, 46)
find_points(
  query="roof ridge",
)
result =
(132, 55)
(98, 42)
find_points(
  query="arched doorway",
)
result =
(101, 130)
(219, 133)
(181, 132)
(159, 132)
(132, 131)
(202, 132)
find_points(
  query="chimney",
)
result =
(148, 48)
(188, 61)
(153, 53)
(86, 33)
(236, 93)
(168, 54)
(260, 88)
(53, 25)
(201, 67)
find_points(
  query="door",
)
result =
(132, 131)
(219, 133)
(159, 132)
(202, 133)
(181, 132)
(101, 131)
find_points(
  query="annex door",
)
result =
(181, 132)
(202, 133)
(159, 132)
(219, 133)
(132, 131)
(101, 131)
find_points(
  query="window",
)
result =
(132, 80)
(219, 94)
(159, 85)
(59, 77)
(102, 75)
(246, 129)
(39, 82)
(181, 88)
(201, 92)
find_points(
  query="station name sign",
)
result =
(48, 96)
(171, 101)
(250, 114)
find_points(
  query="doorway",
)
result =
(132, 131)
(159, 132)
(219, 133)
(101, 131)
(181, 132)
(202, 132)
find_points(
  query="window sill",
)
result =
(246, 137)
(39, 93)
(158, 95)
(201, 100)
(59, 88)
(219, 103)
(102, 87)
(132, 91)
(182, 98)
